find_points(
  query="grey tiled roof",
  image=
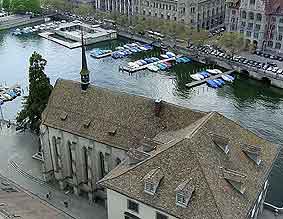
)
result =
(111, 117)
(193, 156)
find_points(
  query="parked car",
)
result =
(272, 64)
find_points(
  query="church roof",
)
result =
(115, 118)
(217, 178)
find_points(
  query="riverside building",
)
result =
(198, 13)
(260, 21)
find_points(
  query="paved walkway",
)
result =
(17, 164)
(267, 214)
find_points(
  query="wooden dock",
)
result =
(142, 67)
(198, 83)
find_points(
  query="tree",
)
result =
(232, 42)
(39, 92)
(6, 4)
(18, 6)
(83, 9)
(198, 37)
(32, 5)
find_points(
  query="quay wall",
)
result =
(20, 22)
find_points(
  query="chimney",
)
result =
(157, 107)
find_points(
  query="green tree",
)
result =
(232, 42)
(39, 92)
(83, 9)
(198, 37)
(18, 6)
(6, 4)
(32, 5)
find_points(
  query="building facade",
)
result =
(211, 169)
(198, 13)
(261, 22)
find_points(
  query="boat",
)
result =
(164, 56)
(218, 71)
(219, 84)
(226, 78)
(170, 54)
(231, 77)
(212, 71)
(153, 68)
(119, 48)
(196, 77)
(205, 74)
(100, 53)
(143, 62)
(212, 84)
(221, 81)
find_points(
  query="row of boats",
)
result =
(7, 94)
(121, 51)
(155, 64)
(37, 28)
(129, 49)
(214, 83)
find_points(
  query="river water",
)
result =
(253, 104)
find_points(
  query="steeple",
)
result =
(84, 71)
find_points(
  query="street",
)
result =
(17, 164)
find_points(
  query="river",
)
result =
(253, 104)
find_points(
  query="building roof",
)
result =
(274, 7)
(115, 118)
(192, 155)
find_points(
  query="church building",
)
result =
(150, 158)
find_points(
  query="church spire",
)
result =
(84, 71)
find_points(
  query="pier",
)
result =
(198, 83)
(142, 67)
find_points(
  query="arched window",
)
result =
(85, 161)
(56, 153)
(244, 14)
(278, 46)
(70, 159)
(258, 17)
(102, 166)
(118, 161)
(251, 15)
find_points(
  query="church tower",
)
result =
(84, 71)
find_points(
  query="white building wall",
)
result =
(118, 205)
(58, 164)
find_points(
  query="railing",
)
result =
(273, 208)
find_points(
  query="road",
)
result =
(17, 164)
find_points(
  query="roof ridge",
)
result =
(114, 90)
(175, 141)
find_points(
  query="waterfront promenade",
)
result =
(13, 21)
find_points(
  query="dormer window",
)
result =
(149, 188)
(184, 193)
(236, 179)
(221, 142)
(86, 123)
(253, 152)
(63, 116)
(152, 181)
(112, 131)
(180, 199)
